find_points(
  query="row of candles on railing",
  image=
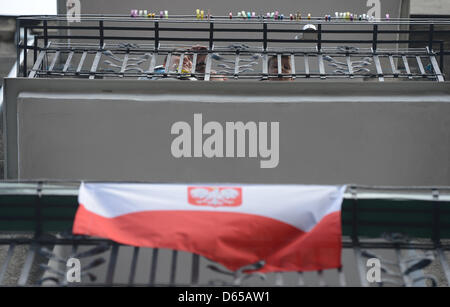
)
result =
(298, 16)
(202, 14)
(148, 14)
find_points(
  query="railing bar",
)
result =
(322, 282)
(430, 37)
(301, 280)
(407, 281)
(321, 67)
(35, 49)
(293, 66)
(45, 32)
(55, 58)
(69, 59)
(307, 66)
(361, 267)
(265, 65)
(341, 274)
(37, 64)
(242, 76)
(180, 64)
(349, 65)
(242, 40)
(38, 210)
(18, 47)
(142, 50)
(279, 279)
(194, 63)
(208, 67)
(346, 31)
(319, 37)
(236, 65)
(151, 68)
(444, 263)
(279, 65)
(156, 35)
(112, 264)
(94, 67)
(406, 64)
(420, 64)
(436, 68)
(134, 261)
(80, 65)
(180, 29)
(101, 33)
(376, 60)
(394, 70)
(154, 266)
(28, 264)
(173, 269)
(195, 269)
(25, 51)
(168, 60)
(264, 36)
(211, 35)
(5, 264)
(375, 38)
(124, 63)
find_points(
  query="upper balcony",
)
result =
(239, 48)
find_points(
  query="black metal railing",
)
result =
(408, 229)
(135, 47)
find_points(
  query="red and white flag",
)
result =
(290, 227)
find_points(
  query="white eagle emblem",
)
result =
(215, 196)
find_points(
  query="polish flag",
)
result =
(289, 227)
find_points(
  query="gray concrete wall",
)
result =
(430, 7)
(218, 7)
(366, 133)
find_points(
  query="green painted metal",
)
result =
(22, 211)
(414, 218)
